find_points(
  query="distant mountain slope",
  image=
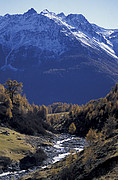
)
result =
(58, 57)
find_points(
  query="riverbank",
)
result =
(62, 146)
(99, 161)
(15, 146)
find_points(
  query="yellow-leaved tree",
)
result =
(72, 128)
(13, 88)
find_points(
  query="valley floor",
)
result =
(100, 162)
(15, 144)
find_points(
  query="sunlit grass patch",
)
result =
(13, 145)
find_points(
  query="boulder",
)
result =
(33, 159)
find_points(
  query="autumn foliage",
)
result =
(17, 112)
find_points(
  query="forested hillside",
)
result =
(17, 113)
(92, 115)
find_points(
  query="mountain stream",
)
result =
(63, 144)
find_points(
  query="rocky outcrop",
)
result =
(5, 162)
(33, 160)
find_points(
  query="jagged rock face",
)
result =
(47, 36)
(57, 51)
(28, 33)
(114, 39)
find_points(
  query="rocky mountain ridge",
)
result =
(49, 36)
(56, 56)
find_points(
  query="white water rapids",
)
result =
(59, 145)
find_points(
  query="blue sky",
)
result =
(101, 12)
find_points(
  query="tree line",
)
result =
(18, 113)
(93, 114)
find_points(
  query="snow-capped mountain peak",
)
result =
(50, 35)
(47, 13)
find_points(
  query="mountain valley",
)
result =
(58, 98)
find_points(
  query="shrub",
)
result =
(54, 172)
(110, 126)
(89, 158)
(71, 158)
(72, 128)
(91, 136)
(9, 113)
